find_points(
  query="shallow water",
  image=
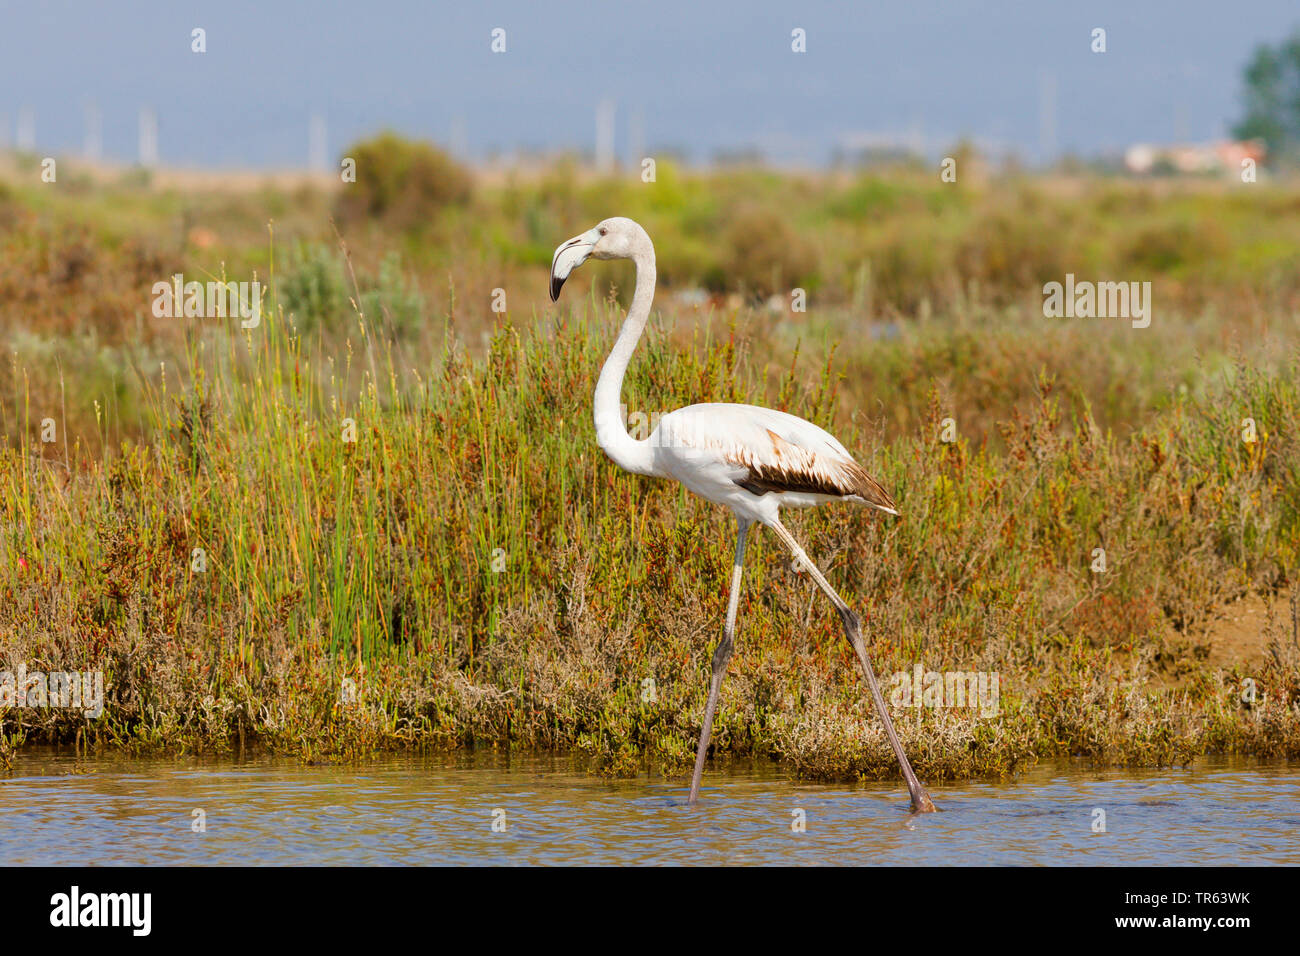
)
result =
(60, 810)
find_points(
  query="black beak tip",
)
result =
(556, 285)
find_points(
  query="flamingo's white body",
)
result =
(757, 461)
(753, 460)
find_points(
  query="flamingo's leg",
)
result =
(921, 802)
(720, 658)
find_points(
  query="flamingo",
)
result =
(753, 460)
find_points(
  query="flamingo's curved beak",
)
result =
(568, 257)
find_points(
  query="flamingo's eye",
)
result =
(603, 230)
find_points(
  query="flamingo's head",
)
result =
(614, 238)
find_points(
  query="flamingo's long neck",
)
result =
(624, 450)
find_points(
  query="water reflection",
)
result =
(58, 810)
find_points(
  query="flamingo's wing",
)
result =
(777, 452)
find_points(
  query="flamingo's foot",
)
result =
(921, 803)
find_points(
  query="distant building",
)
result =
(1224, 156)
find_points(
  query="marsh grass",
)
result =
(482, 576)
(373, 561)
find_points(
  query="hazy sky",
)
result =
(701, 76)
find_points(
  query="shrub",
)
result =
(313, 289)
(394, 298)
(767, 256)
(401, 182)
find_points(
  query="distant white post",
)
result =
(459, 143)
(94, 145)
(605, 136)
(318, 158)
(26, 130)
(148, 138)
(636, 139)
(1047, 117)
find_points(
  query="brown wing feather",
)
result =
(790, 471)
